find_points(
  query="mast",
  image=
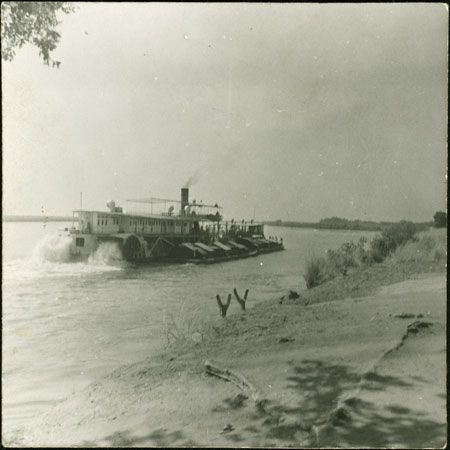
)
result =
(230, 79)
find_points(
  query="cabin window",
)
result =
(79, 242)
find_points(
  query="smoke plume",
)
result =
(193, 179)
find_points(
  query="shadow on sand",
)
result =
(157, 438)
(313, 415)
(315, 389)
(394, 425)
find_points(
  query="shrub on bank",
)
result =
(348, 255)
(337, 262)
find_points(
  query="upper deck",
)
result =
(162, 217)
(101, 222)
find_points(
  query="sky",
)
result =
(274, 111)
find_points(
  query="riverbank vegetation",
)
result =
(401, 242)
(338, 223)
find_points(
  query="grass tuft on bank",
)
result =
(428, 248)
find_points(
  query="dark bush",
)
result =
(440, 219)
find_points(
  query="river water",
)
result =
(66, 324)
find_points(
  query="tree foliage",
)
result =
(34, 23)
(440, 219)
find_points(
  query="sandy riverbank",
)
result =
(361, 371)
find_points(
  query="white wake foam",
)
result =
(51, 258)
(53, 248)
(106, 253)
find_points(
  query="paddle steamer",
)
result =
(169, 231)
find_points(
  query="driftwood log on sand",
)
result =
(236, 378)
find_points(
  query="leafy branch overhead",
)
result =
(34, 23)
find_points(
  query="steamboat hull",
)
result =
(180, 232)
(147, 249)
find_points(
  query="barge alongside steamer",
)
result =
(172, 231)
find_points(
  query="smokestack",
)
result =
(184, 199)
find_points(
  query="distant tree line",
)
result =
(338, 223)
(37, 218)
